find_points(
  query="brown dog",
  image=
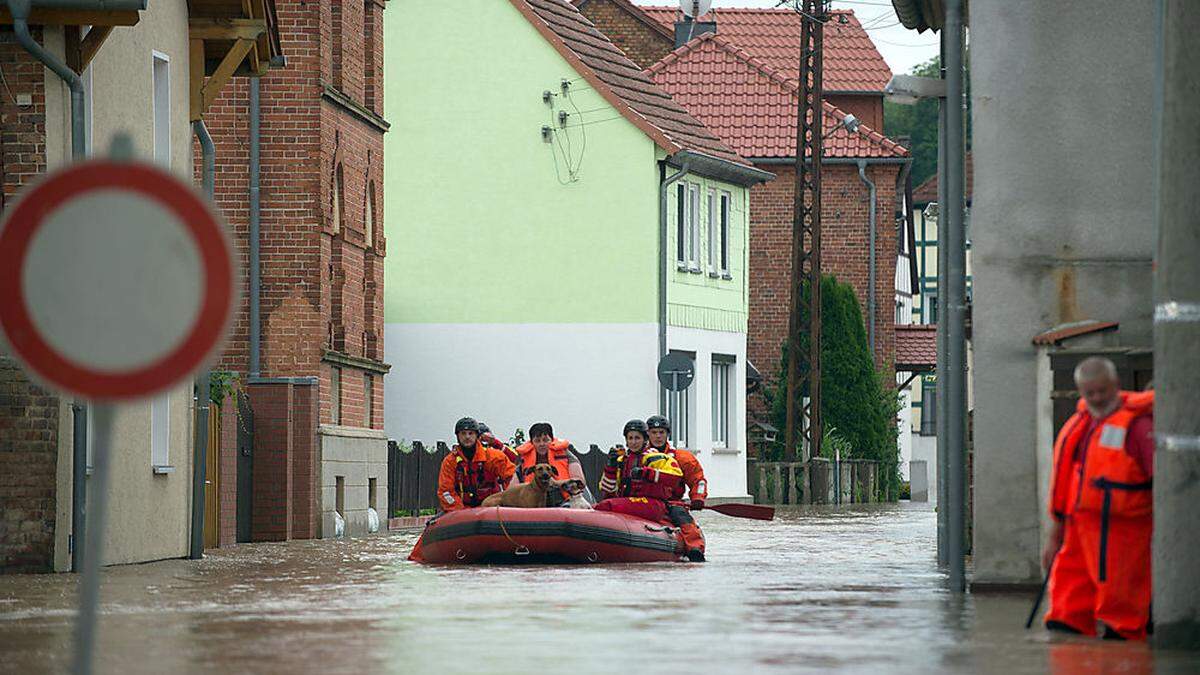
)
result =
(529, 495)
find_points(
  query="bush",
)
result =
(856, 406)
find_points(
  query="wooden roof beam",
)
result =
(73, 17)
(226, 29)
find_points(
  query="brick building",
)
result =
(740, 80)
(319, 452)
(139, 80)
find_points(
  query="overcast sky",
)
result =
(901, 48)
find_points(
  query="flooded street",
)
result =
(854, 590)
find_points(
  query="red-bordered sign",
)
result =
(208, 328)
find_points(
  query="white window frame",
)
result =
(160, 433)
(725, 205)
(723, 374)
(86, 78)
(681, 225)
(694, 227)
(160, 97)
(712, 232)
(681, 412)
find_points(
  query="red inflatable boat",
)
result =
(551, 535)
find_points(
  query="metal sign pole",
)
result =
(89, 590)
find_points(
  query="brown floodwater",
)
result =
(854, 590)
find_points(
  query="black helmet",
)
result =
(638, 426)
(466, 424)
(658, 422)
(483, 428)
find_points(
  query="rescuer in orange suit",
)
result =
(472, 471)
(487, 438)
(1098, 551)
(649, 483)
(693, 477)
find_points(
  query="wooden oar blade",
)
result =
(755, 511)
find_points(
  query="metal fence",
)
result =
(413, 474)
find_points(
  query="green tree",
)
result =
(920, 123)
(854, 399)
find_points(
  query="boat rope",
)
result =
(520, 549)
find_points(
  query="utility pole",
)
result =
(805, 314)
(1176, 546)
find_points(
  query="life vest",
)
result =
(472, 478)
(658, 475)
(693, 473)
(558, 456)
(1101, 477)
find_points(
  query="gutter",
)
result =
(721, 169)
(255, 327)
(791, 161)
(686, 162)
(862, 175)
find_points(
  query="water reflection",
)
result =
(854, 590)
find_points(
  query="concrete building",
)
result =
(314, 419)
(1061, 233)
(529, 281)
(139, 80)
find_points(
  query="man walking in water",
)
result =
(1098, 551)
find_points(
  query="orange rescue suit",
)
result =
(465, 483)
(558, 457)
(1104, 499)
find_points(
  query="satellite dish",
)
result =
(694, 9)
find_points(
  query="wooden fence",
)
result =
(413, 474)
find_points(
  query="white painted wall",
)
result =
(725, 469)
(924, 449)
(585, 379)
(905, 428)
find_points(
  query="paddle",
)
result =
(1037, 604)
(754, 511)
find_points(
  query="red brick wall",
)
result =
(22, 128)
(844, 253)
(322, 289)
(305, 463)
(28, 414)
(868, 109)
(227, 466)
(642, 44)
(28, 461)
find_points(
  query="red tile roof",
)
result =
(613, 76)
(751, 105)
(928, 191)
(852, 63)
(916, 348)
(1057, 335)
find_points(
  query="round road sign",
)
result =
(116, 280)
(676, 371)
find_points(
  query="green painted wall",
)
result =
(483, 222)
(699, 300)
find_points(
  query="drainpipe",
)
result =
(862, 175)
(200, 450)
(662, 271)
(255, 218)
(19, 9)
